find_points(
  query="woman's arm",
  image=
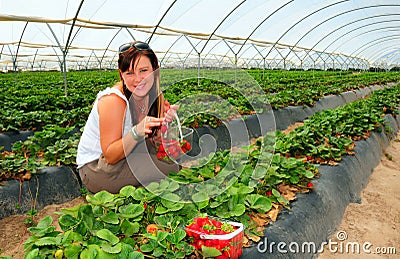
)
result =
(111, 109)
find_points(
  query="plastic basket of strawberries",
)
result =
(216, 238)
(174, 141)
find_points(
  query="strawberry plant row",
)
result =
(33, 94)
(256, 184)
(55, 151)
(330, 134)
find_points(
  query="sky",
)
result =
(270, 29)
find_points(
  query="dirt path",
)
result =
(13, 231)
(377, 219)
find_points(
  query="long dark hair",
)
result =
(125, 61)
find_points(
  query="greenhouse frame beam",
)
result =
(170, 47)
(347, 24)
(158, 24)
(262, 22)
(220, 23)
(382, 40)
(19, 43)
(65, 51)
(361, 34)
(304, 18)
(109, 43)
(355, 21)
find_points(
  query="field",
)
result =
(260, 181)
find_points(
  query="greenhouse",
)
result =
(263, 122)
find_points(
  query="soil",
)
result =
(375, 220)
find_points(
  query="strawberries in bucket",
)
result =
(174, 141)
(216, 238)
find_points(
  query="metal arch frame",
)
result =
(347, 24)
(355, 35)
(158, 24)
(335, 16)
(209, 52)
(170, 47)
(394, 55)
(226, 18)
(207, 41)
(391, 46)
(65, 50)
(302, 19)
(109, 43)
(264, 20)
(372, 56)
(220, 23)
(396, 48)
(361, 34)
(19, 43)
(390, 37)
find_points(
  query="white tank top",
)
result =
(89, 148)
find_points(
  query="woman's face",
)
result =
(139, 80)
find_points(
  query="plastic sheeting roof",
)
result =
(184, 33)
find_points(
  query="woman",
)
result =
(115, 148)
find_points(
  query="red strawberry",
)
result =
(269, 193)
(151, 228)
(310, 185)
(160, 155)
(163, 128)
(187, 146)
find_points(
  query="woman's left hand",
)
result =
(170, 114)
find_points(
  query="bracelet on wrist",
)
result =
(135, 135)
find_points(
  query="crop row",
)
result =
(32, 100)
(250, 186)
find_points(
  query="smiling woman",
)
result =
(115, 149)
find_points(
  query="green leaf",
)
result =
(176, 237)
(48, 241)
(172, 206)
(127, 191)
(171, 197)
(111, 218)
(107, 235)
(100, 198)
(259, 202)
(135, 255)
(131, 211)
(210, 251)
(72, 251)
(308, 174)
(67, 221)
(161, 235)
(128, 228)
(45, 222)
(33, 254)
(206, 172)
(238, 210)
(112, 249)
(259, 172)
(200, 197)
(161, 210)
(146, 248)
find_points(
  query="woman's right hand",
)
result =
(147, 124)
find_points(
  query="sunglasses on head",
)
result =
(138, 45)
